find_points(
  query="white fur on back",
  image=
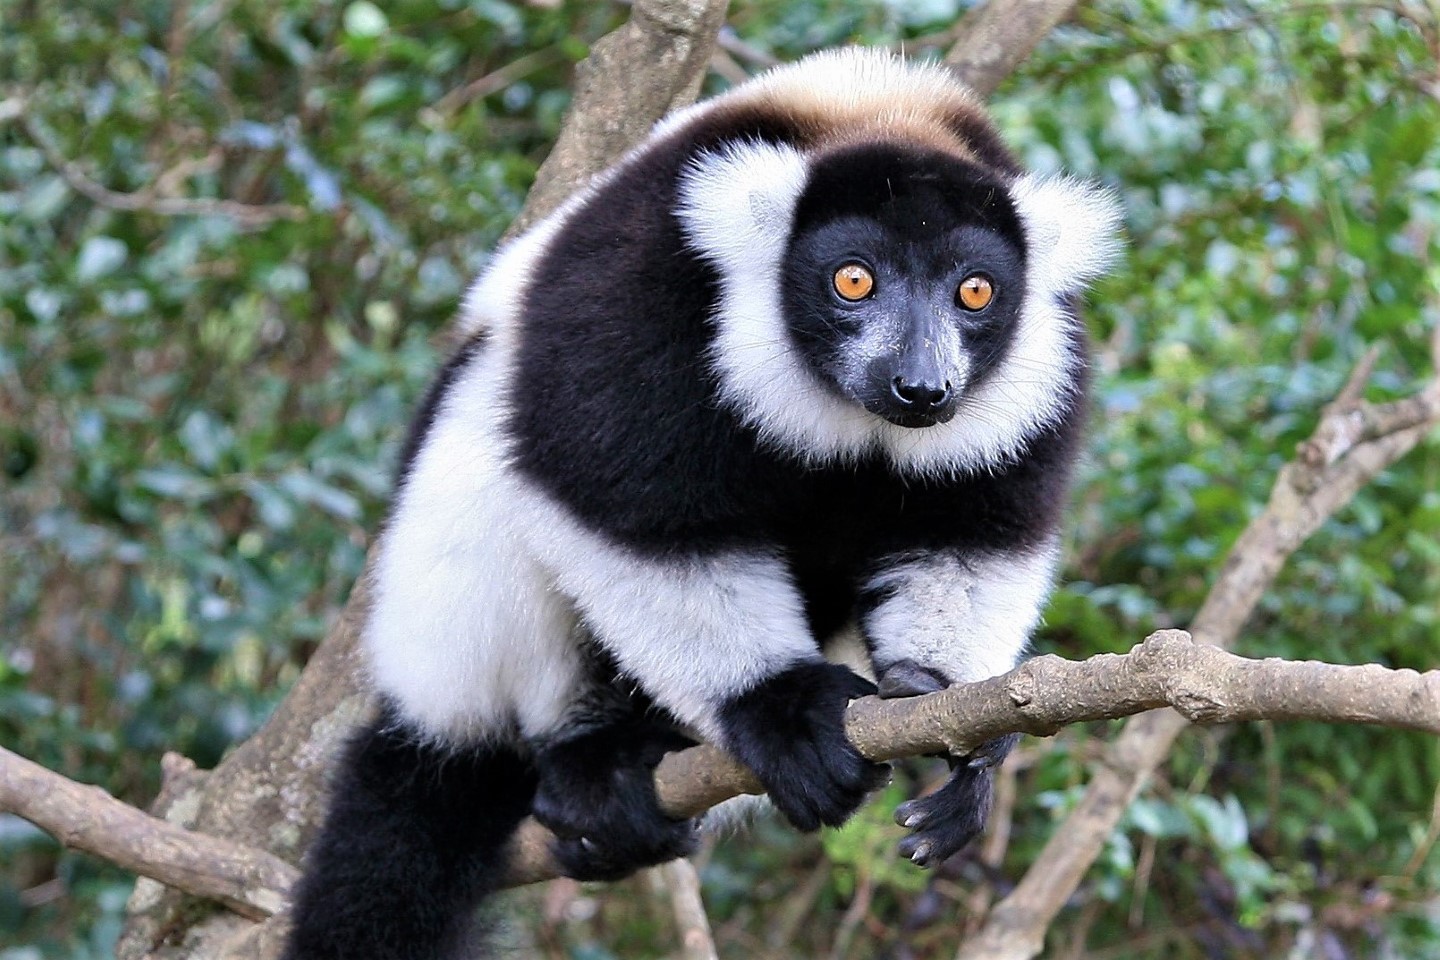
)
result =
(466, 631)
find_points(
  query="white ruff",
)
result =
(737, 207)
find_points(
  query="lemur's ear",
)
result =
(737, 203)
(1073, 227)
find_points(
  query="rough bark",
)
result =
(244, 878)
(632, 78)
(995, 37)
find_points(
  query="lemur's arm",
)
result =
(937, 618)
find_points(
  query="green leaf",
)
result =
(99, 257)
(363, 19)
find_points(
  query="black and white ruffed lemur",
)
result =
(804, 364)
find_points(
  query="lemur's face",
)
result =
(903, 281)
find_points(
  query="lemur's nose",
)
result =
(923, 395)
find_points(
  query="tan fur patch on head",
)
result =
(855, 94)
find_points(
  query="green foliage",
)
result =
(198, 415)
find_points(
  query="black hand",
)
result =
(790, 730)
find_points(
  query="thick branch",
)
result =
(1202, 682)
(632, 78)
(248, 880)
(996, 36)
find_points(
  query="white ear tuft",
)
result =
(1073, 229)
(737, 204)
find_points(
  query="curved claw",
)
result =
(943, 822)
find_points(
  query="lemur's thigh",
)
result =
(415, 836)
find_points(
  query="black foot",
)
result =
(943, 822)
(597, 794)
(790, 731)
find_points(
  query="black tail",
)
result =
(415, 838)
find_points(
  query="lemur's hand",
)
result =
(790, 730)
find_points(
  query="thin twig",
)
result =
(859, 906)
(1427, 843)
(683, 884)
(497, 80)
(251, 215)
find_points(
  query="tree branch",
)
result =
(633, 77)
(997, 36)
(146, 201)
(1204, 683)
(248, 880)
(1346, 451)
(1039, 697)
(682, 882)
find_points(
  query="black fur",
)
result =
(597, 793)
(920, 222)
(667, 468)
(943, 822)
(701, 481)
(414, 839)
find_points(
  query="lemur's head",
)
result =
(890, 277)
(903, 280)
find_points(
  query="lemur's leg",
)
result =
(597, 788)
(415, 837)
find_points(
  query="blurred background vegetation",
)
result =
(199, 412)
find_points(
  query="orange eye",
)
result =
(854, 282)
(975, 292)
